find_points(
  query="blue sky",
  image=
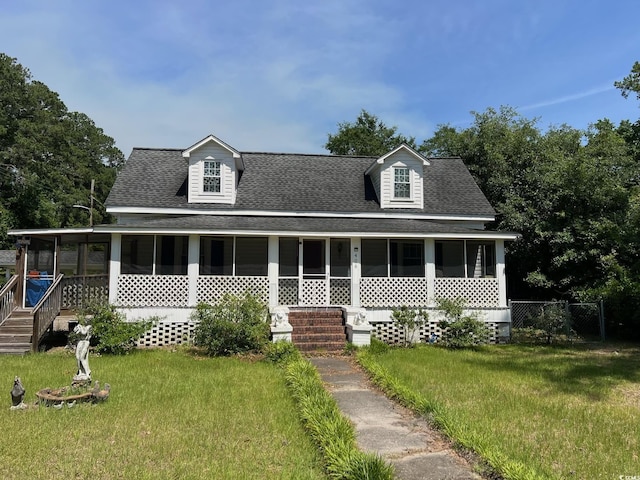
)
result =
(278, 75)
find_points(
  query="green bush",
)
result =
(236, 324)
(460, 330)
(111, 332)
(553, 320)
(409, 319)
(281, 352)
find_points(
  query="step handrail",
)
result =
(46, 311)
(7, 294)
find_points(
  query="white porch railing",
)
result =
(153, 291)
(478, 292)
(211, 288)
(173, 290)
(393, 292)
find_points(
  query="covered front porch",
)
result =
(167, 275)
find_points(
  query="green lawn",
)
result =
(560, 412)
(170, 415)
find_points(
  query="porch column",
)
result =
(500, 274)
(272, 270)
(356, 255)
(114, 266)
(193, 268)
(430, 267)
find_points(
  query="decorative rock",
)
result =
(17, 395)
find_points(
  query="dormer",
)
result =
(397, 178)
(214, 171)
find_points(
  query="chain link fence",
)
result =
(587, 319)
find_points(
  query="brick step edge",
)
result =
(318, 338)
(302, 314)
(323, 329)
(315, 321)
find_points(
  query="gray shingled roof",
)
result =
(222, 223)
(7, 257)
(294, 182)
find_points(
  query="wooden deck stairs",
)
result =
(318, 329)
(16, 333)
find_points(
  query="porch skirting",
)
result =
(175, 326)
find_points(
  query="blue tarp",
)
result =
(36, 287)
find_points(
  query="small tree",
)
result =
(111, 332)
(410, 320)
(236, 324)
(553, 320)
(460, 330)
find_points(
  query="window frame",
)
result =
(488, 270)
(211, 176)
(405, 181)
(391, 268)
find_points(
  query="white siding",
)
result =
(401, 159)
(227, 171)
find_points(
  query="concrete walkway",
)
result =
(389, 429)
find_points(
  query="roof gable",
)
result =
(211, 139)
(405, 147)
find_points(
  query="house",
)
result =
(348, 237)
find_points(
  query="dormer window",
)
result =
(211, 177)
(401, 183)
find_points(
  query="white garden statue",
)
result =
(82, 352)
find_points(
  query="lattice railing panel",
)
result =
(78, 291)
(212, 288)
(167, 333)
(314, 292)
(153, 290)
(287, 291)
(340, 291)
(392, 334)
(478, 292)
(393, 292)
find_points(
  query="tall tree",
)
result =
(367, 136)
(48, 156)
(630, 83)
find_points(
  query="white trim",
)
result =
(210, 138)
(293, 213)
(50, 231)
(410, 150)
(480, 235)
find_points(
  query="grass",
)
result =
(170, 415)
(532, 412)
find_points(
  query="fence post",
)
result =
(603, 335)
(510, 319)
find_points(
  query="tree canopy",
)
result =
(48, 157)
(366, 136)
(573, 195)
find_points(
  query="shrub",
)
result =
(553, 320)
(236, 324)
(111, 332)
(460, 330)
(281, 352)
(409, 319)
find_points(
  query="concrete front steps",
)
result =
(318, 329)
(16, 333)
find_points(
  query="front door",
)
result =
(314, 280)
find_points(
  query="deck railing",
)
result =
(7, 302)
(80, 290)
(46, 310)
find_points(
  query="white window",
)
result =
(401, 183)
(211, 179)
